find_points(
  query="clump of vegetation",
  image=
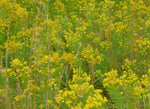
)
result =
(74, 54)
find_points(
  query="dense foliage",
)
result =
(74, 54)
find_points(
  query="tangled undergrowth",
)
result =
(74, 54)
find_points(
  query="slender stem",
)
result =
(144, 102)
(1, 64)
(6, 59)
(60, 78)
